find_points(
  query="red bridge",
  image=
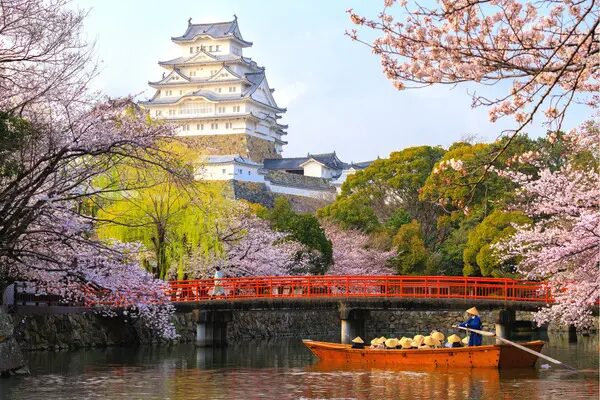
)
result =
(324, 286)
(354, 297)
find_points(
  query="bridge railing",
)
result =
(323, 286)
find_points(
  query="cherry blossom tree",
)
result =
(353, 255)
(55, 138)
(545, 52)
(562, 248)
(248, 246)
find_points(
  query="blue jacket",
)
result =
(474, 323)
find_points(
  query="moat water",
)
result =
(285, 369)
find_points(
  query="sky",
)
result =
(333, 88)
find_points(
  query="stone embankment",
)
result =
(62, 331)
(11, 358)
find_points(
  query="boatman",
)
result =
(473, 322)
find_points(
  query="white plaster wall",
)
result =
(224, 47)
(239, 172)
(220, 172)
(247, 173)
(313, 168)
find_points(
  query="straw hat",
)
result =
(382, 339)
(406, 343)
(429, 341)
(465, 341)
(358, 339)
(437, 335)
(453, 338)
(473, 311)
(392, 343)
(418, 340)
(375, 342)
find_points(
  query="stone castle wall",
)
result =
(259, 193)
(71, 331)
(250, 147)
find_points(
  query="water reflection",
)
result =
(286, 370)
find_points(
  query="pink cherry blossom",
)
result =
(562, 248)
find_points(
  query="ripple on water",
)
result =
(284, 370)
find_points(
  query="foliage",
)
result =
(351, 213)
(172, 216)
(561, 247)
(412, 254)
(55, 139)
(354, 254)
(303, 228)
(252, 248)
(479, 255)
(374, 196)
(545, 51)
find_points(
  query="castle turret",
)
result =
(220, 99)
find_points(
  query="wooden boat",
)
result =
(491, 356)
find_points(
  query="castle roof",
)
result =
(218, 30)
(231, 158)
(329, 160)
(214, 59)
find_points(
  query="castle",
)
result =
(223, 106)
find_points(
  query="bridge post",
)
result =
(572, 334)
(352, 323)
(211, 327)
(504, 324)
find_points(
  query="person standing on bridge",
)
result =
(473, 322)
(218, 288)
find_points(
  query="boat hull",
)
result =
(492, 356)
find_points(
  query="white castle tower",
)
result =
(220, 99)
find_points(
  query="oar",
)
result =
(518, 346)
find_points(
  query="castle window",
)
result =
(180, 92)
(217, 48)
(249, 173)
(197, 49)
(214, 126)
(240, 171)
(236, 108)
(202, 48)
(223, 171)
(231, 89)
(209, 48)
(228, 125)
(191, 50)
(220, 109)
(158, 112)
(199, 127)
(186, 127)
(171, 112)
(214, 72)
(219, 90)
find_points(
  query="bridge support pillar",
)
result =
(352, 323)
(504, 324)
(572, 334)
(211, 327)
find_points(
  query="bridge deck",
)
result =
(377, 291)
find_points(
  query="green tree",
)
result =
(351, 212)
(412, 253)
(172, 215)
(479, 256)
(304, 228)
(373, 196)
